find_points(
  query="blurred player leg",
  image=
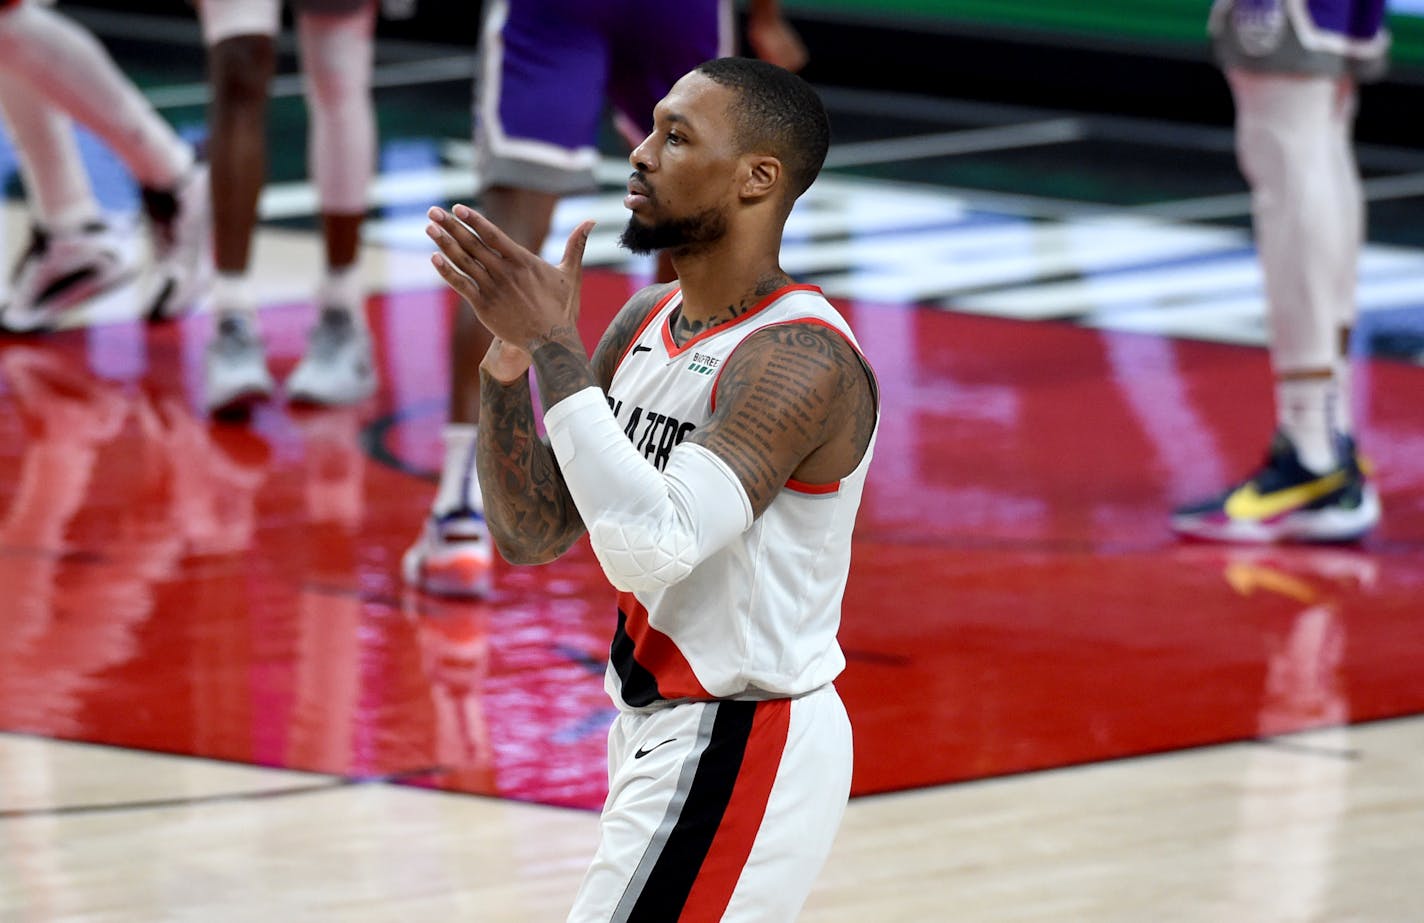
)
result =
(1312, 486)
(337, 52)
(241, 59)
(538, 67)
(66, 66)
(72, 254)
(1349, 208)
(1286, 148)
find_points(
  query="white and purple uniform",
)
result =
(1319, 37)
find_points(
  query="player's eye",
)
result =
(674, 138)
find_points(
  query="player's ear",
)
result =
(763, 175)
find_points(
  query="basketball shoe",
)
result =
(452, 557)
(235, 372)
(180, 221)
(337, 367)
(1286, 502)
(59, 271)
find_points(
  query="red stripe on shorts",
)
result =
(732, 843)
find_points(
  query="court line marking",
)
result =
(161, 804)
(1101, 126)
(428, 185)
(950, 143)
(1376, 189)
(1352, 754)
(1287, 742)
(286, 86)
(1403, 720)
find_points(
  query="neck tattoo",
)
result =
(684, 329)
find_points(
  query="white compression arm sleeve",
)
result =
(649, 530)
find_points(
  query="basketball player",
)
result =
(337, 49)
(1293, 66)
(715, 450)
(546, 69)
(51, 70)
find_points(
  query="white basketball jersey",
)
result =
(758, 619)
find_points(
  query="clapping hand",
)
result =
(523, 300)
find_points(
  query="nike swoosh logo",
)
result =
(642, 349)
(644, 752)
(1248, 503)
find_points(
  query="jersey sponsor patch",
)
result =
(704, 364)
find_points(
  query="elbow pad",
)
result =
(648, 530)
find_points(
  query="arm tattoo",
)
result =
(862, 396)
(531, 515)
(562, 366)
(560, 362)
(619, 335)
(790, 391)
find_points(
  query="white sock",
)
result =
(341, 289)
(1344, 418)
(459, 486)
(232, 297)
(1305, 408)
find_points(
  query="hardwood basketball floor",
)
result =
(218, 702)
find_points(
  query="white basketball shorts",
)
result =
(718, 811)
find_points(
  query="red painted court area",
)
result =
(1016, 602)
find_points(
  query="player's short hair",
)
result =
(777, 112)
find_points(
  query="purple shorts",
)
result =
(548, 68)
(1325, 38)
(1356, 20)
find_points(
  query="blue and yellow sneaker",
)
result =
(1287, 502)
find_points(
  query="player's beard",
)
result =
(678, 234)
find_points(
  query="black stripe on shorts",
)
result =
(671, 880)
